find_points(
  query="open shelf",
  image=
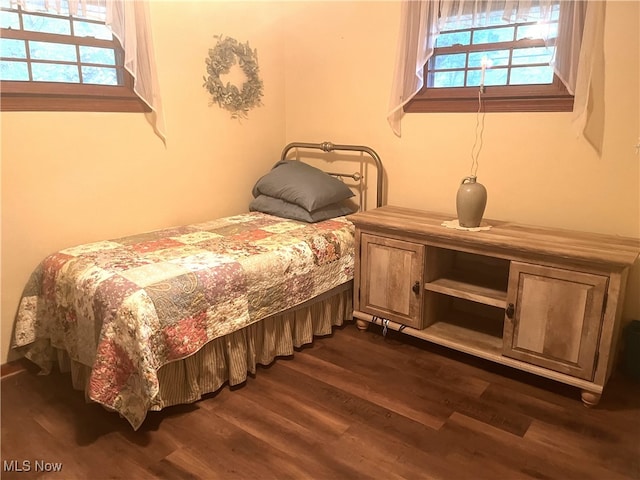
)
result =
(468, 276)
(468, 333)
(463, 324)
(488, 295)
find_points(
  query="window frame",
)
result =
(552, 97)
(62, 96)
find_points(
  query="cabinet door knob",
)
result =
(416, 287)
(510, 310)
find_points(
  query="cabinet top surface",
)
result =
(509, 236)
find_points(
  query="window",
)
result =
(509, 61)
(58, 61)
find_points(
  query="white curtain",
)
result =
(419, 29)
(130, 22)
(578, 61)
(588, 103)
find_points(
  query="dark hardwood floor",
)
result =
(353, 405)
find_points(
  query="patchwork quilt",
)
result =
(128, 306)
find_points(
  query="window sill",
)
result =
(521, 98)
(70, 103)
(51, 96)
(441, 105)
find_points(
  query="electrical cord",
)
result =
(479, 133)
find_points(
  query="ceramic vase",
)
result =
(471, 201)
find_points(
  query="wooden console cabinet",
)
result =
(542, 300)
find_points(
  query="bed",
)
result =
(162, 318)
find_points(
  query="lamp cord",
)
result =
(479, 131)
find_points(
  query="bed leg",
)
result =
(362, 324)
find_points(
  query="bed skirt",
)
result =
(232, 357)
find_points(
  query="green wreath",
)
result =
(221, 58)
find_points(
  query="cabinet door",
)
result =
(391, 279)
(554, 318)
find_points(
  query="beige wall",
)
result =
(72, 178)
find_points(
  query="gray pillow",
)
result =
(301, 184)
(281, 208)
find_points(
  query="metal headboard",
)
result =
(330, 147)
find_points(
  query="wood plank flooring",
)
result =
(354, 405)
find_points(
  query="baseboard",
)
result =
(12, 368)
